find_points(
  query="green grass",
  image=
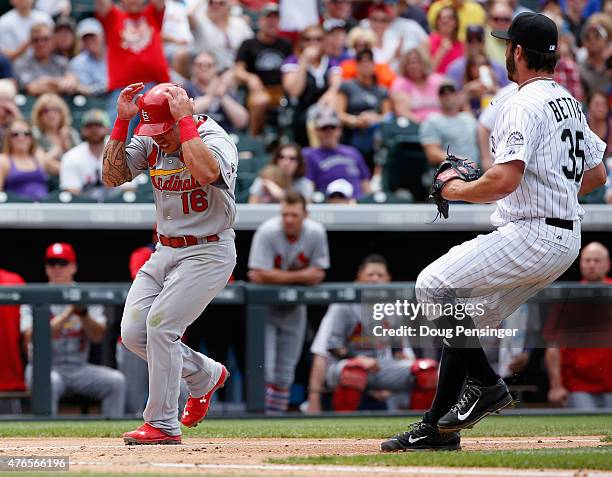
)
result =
(371, 427)
(578, 458)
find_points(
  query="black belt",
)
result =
(564, 224)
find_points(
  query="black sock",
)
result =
(450, 383)
(478, 366)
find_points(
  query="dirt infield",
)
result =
(250, 456)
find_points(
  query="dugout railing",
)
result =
(255, 298)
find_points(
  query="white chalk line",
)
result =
(324, 443)
(489, 472)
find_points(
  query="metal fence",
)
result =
(255, 298)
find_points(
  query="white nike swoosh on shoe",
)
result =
(416, 439)
(463, 417)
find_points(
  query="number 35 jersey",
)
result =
(182, 205)
(543, 126)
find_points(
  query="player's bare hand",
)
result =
(126, 107)
(369, 364)
(519, 362)
(179, 103)
(558, 396)
(312, 276)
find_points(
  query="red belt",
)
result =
(185, 240)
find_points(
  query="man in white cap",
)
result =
(340, 191)
(89, 66)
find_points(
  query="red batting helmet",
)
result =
(155, 115)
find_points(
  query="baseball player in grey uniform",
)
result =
(73, 329)
(545, 155)
(289, 249)
(192, 163)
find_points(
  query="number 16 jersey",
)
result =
(543, 126)
(182, 205)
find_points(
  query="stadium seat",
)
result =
(9, 197)
(82, 9)
(25, 103)
(248, 146)
(65, 197)
(252, 164)
(382, 197)
(138, 196)
(405, 165)
(80, 104)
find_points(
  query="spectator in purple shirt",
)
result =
(331, 160)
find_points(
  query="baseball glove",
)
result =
(451, 168)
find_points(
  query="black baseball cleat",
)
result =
(476, 403)
(422, 436)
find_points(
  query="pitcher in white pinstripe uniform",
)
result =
(545, 156)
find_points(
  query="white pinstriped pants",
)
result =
(500, 270)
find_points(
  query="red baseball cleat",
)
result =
(196, 408)
(147, 434)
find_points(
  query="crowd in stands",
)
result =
(265, 71)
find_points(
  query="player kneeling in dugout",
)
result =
(358, 362)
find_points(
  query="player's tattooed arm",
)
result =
(115, 170)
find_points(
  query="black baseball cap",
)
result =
(532, 31)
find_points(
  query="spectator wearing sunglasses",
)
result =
(309, 77)
(73, 329)
(41, 70)
(499, 18)
(474, 46)
(332, 160)
(288, 158)
(15, 28)
(23, 169)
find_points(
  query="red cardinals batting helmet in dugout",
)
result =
(155, 115)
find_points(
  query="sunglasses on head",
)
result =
(57, 262)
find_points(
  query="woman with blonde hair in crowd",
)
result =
(444, 43)
(365, 39)
(52, 128)
(289, 160)
(414, 94)
(23, 169)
